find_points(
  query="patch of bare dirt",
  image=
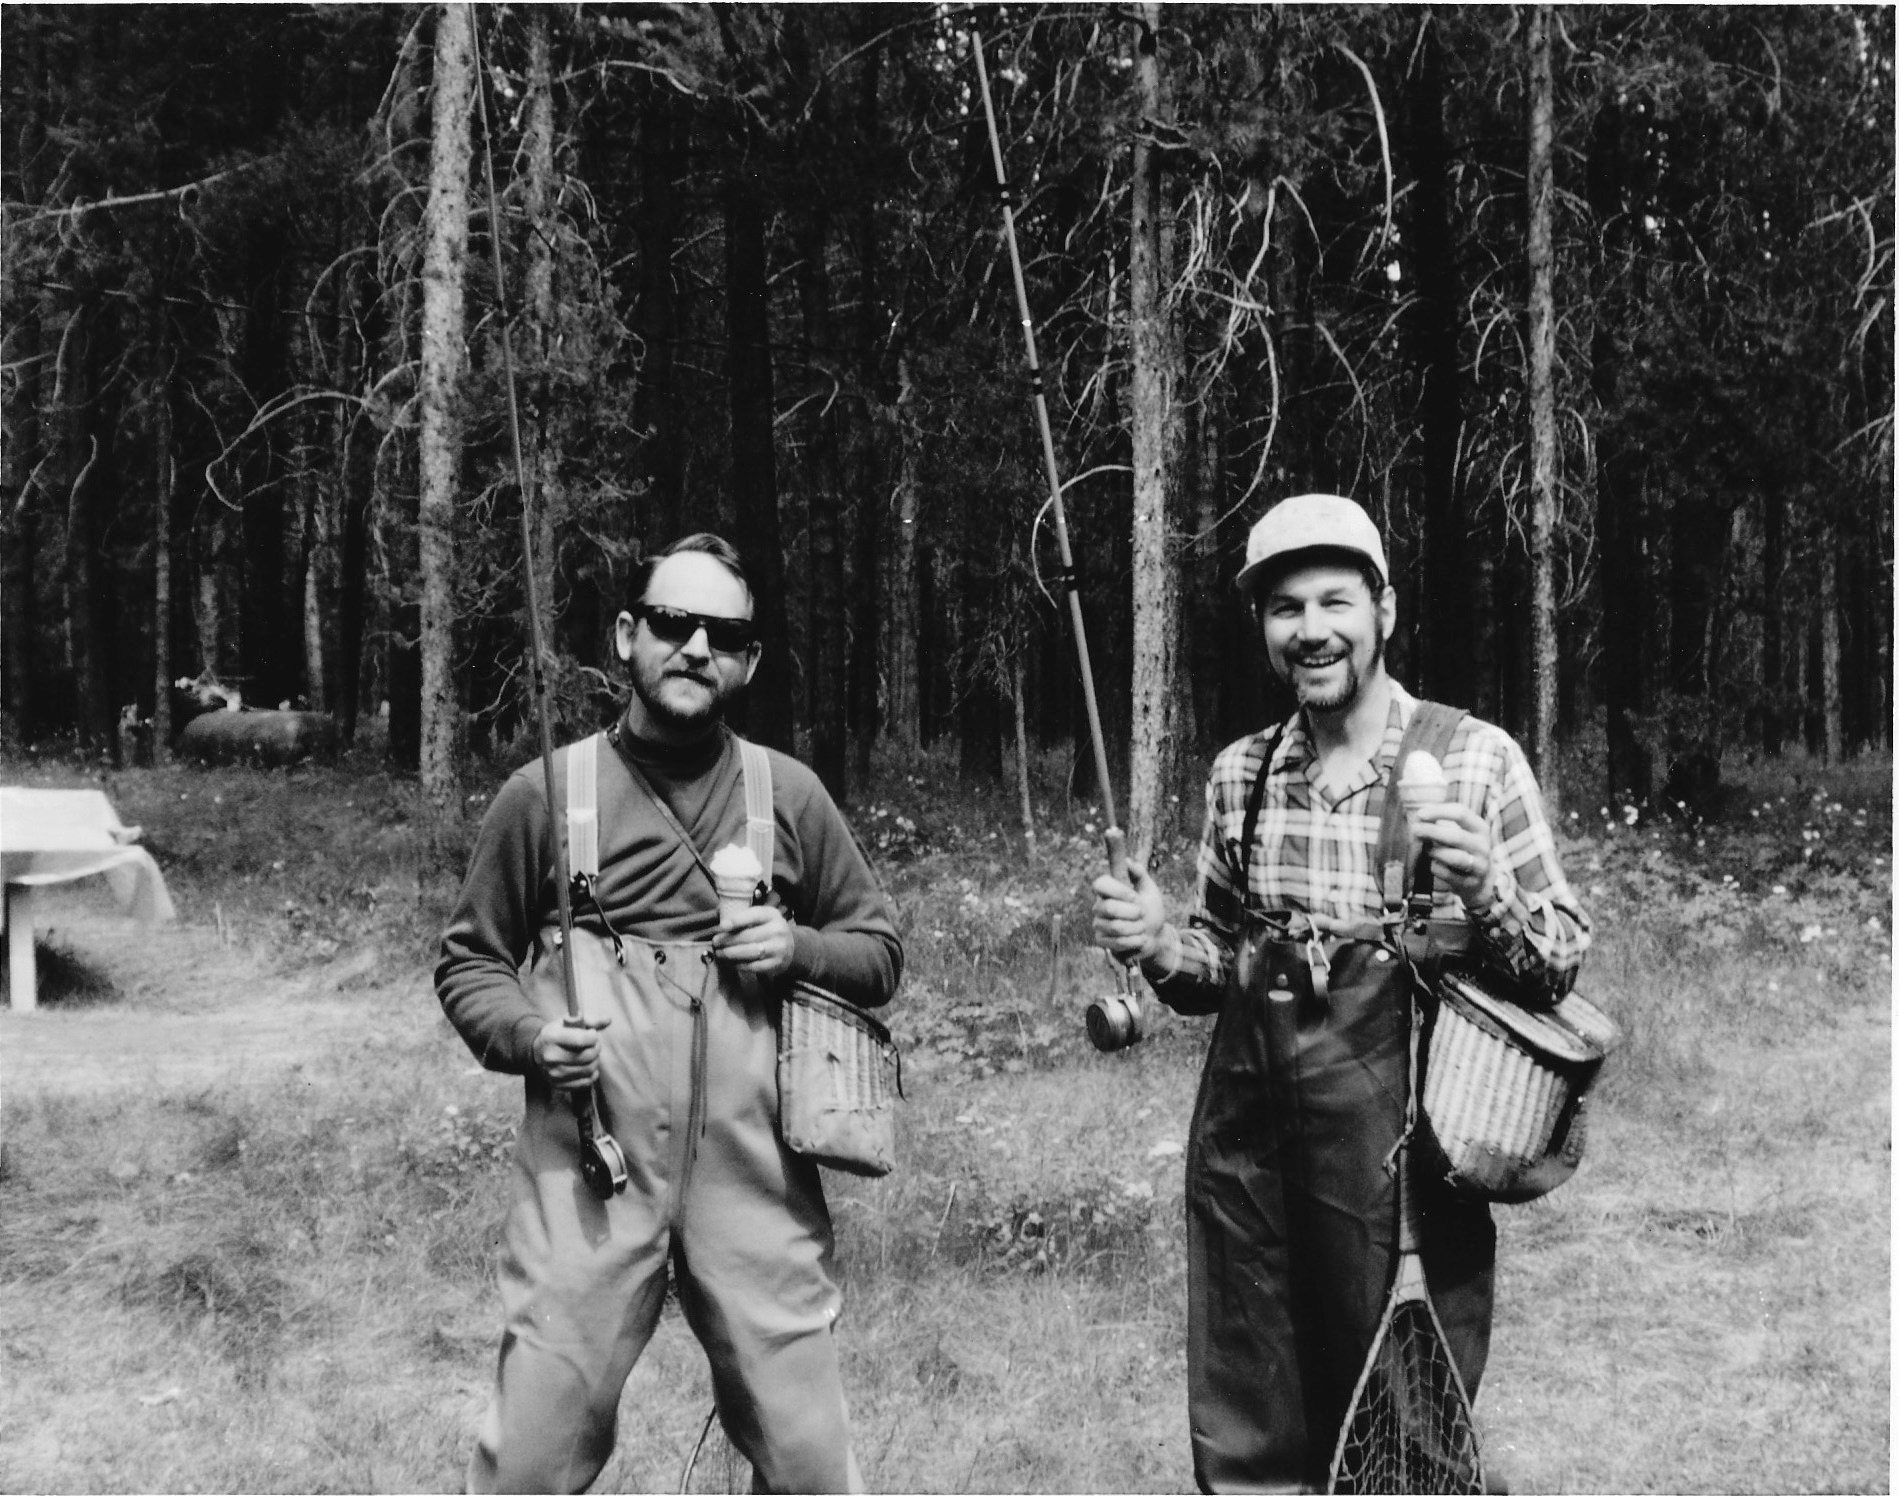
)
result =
(176, 1008)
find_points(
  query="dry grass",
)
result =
(287, 1284)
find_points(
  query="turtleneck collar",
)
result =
(672, 760)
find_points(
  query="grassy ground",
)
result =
(278, 1275)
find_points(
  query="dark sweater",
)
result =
(844, 937)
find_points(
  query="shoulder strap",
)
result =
(1255, 797)
(583, 817)
(761, 829)
(1430, 731)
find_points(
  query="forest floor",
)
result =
(250, 1184)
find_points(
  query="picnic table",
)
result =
(55, 836)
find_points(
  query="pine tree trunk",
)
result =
(19, 533)
(444, 266)
(539, 435)
(1017, 700)
(824, 465)
(1621, 511)
(656, 412)
(902, 698)
(1441, 657)
(875, 446)
(1543, 650)
(770, 717)
(163, 477)
(1828, 603)
(1155, 746)
(1773, 661)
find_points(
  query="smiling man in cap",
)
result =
(1291, 1214)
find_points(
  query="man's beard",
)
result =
(664, 711)
(1344, 695)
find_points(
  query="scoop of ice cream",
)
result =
(735, 869)
(1422, 781)
(736, 861)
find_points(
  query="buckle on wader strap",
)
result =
(1319, 962)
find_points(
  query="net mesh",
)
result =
(1409, 1427)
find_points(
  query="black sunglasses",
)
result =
(676, 626)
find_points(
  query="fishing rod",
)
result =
(1114, 1022)
(602, 1164)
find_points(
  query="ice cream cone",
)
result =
(1422, 783)
(736, 871)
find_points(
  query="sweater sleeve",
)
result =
(844, 936)
(492, 928)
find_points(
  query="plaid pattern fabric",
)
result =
(1313, 853)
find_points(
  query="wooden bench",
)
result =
(55, 836)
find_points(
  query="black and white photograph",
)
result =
(924, 747)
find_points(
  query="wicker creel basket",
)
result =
(839, 1078)
(1504, 1086)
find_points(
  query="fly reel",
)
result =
(1114, 1021)
(602, 1164)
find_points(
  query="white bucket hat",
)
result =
(1311, 521)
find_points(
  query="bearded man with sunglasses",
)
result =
(677, 1038)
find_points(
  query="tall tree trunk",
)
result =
(78, 458)
(1441, 657)
(164, 473)
(1543, 651)
(771, 717)
(1155, 742)
(540, 432)
(1828, 603)
(1621, 519)
(444, 267)
(1018, 701)
(902, 639)
(209, 610)
(20, 494)
(356, 483)
(266, 641)
(1773, 662)
(876, 442)
(824, 466)
(656, 409)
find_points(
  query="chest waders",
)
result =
(1291, 1213)
(688, 1088)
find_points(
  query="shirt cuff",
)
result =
(1165, 962)
(518, 1053)
(1494, 915)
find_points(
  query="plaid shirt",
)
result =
(1313, 853)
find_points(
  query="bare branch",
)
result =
(80, 209)
(1384, 140)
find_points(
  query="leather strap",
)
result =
(1430, 730)
(1255, 796)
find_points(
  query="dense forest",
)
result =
(1591, 306)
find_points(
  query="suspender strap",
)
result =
(583, 832)
(1430, 731)
(1255, 796)
(761, 829)
(583, 815)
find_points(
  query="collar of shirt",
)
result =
(1296, 754)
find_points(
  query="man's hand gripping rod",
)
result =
(602, 1164)
(1113, 1022)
